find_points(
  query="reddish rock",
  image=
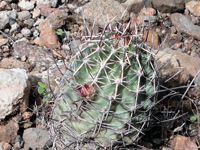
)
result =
(55, 20)
(49, 38)
(8, 131)
(180, 142)
(193, 7)
(47, 11)
(151, 38)
(146, 14)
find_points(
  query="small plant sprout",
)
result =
(42, 89)
(59, 31)
(193, 118)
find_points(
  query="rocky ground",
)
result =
(32, 48)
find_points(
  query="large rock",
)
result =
(169, 6)
(174, 62)
(184, 25)
(93, 11)
(14, 91)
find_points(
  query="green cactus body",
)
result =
(108, 90)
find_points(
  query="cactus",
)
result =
(107, 92)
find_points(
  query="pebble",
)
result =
(29, 22)
(14, 27)
(12, 14)
(2, 5)
(26, 5)
(24, 15)
(39, 136)
(71, 6)
(26, 32)
(36, 13)
(5, 146)
(173, 30)
(36, 33)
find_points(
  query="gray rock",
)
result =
(93, 11)
(12, 14)
(4, 19)
(26, 32)
(29, 22)
(23, 15)
(8, 131)
(134, 5)
(36, 138)
(36, 33)
(183, 25)
(14, 91)
(54, 3)
(14, 27)
(26, 5)
(169, 6)
(36, 55)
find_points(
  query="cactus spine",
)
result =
(107, 93)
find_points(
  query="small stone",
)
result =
(146, 14)
(8, 131)
(3, 4)
(26, 5)
(54, 3)
(152, 38)
(39, 136)
(14, 6)
(26, 32)
(78, 10)
(12, 14)
(43, 3)
(71, 6)
(49, 38)
(23, 58)
(23, 15)
(36, 13)
(193, 7)
(14, 27)
(5, 146)
(4, 19)
(19, 35)
(36, 33)
(173, 30)
(27, 115)
(29, 22)
(3, 41)
(65, 47)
